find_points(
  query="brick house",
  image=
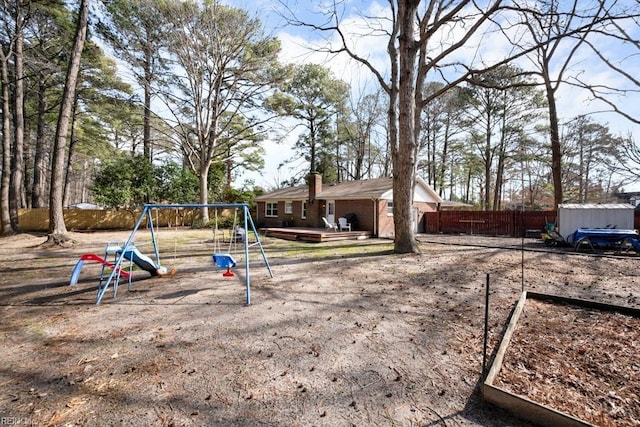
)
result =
(367, 204)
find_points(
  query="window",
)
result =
(271, 209)
(288, 207)
(303, 214)
(389, 207)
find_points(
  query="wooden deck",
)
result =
(316, 235)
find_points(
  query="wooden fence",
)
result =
(89, 219)
(498, 223)
(493, 223)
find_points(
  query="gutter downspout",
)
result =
(375, 216)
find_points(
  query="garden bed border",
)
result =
(521, 406)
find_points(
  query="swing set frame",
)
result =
(146, 213)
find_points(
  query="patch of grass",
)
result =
(274, 248)
(285, 249)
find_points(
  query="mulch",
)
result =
(583, 362)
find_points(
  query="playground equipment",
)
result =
(224, 261)
(75, 274)
(127, 251)
(132, 254)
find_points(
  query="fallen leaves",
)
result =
(580, 361)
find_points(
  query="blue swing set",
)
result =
(221, 260)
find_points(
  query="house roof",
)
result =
(378, 188)
(362, 189)
(289, 193)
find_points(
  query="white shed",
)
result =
(593, 215)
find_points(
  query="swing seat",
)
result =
(224, 261)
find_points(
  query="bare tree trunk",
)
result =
(204, 195)
(444, 159)
(556, 150)
(56, 216)
(488, 160)
(146, 141)
(38, 187)
(27, 180)
(5, 218)
(467, 191)
(497, 190)
(405, 162)
(17, 166)
(66, 193)
(501, 152)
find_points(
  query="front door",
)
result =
(331, 211)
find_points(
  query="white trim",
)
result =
(387, 195)
(266, 212)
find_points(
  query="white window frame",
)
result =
(288, 208)
(303, 210)
(269, 208)
(389, 207)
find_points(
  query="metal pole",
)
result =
(264, 256)
(153, 236)
(245, 212)
(118, 263)
(486, 329)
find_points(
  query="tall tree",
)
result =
(416, 48)
(442, 125)
(502, 104)
(558, 29)
(225, 67)
(101, 98)
(6, 52)
(17, 154)
(138, 34)
(57, 227)
(590, 150)
(314, 97)
(627, 161)
(361, 137)
(238, 153)
(443, 40)
(48, 36)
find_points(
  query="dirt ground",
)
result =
(345, 333)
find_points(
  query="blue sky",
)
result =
(298, 45)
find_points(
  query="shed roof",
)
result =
(609, 206)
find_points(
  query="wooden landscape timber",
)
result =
(524, 407)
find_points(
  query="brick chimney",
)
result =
(315, 186)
